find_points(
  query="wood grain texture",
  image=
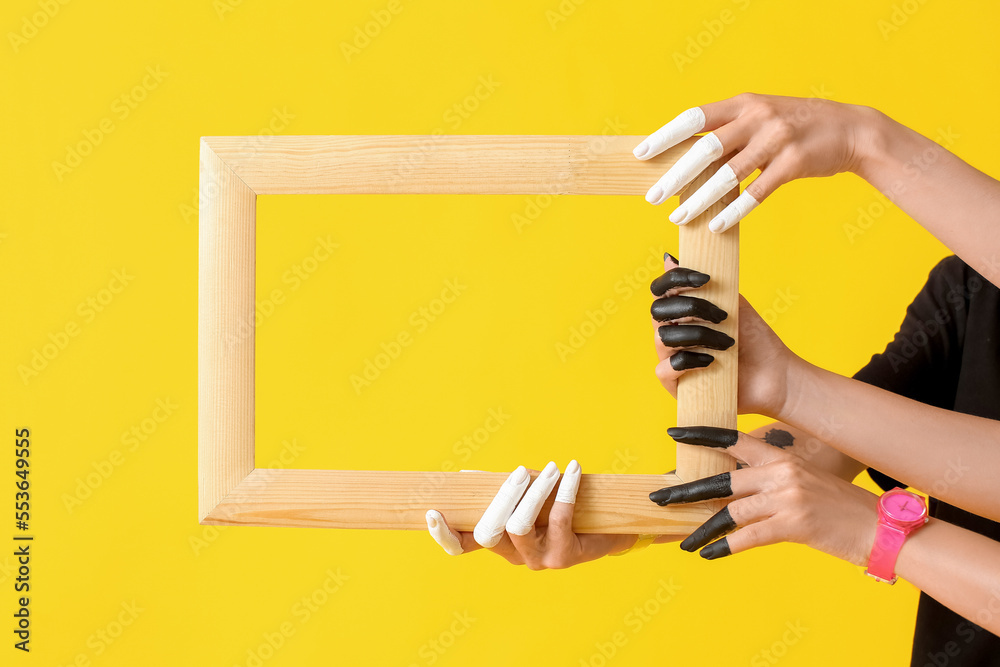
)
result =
(226, 279)
(399, 500)
(235, 169)
(708, 396)
(443, 164)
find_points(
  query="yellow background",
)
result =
(213, 597)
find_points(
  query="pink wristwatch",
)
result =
(900, 513)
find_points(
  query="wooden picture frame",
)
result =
(234, 170)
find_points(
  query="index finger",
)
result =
(753, 451)
(688, 123)
(490, 529)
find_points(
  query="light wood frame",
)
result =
(234, 170)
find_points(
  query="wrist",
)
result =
(915, 550)
(901, 515)
(794, 381)
(864, 538)
(871, 128)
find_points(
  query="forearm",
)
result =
(947, 454)
(953, 200)
(958, 568)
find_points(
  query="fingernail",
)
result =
(705, 436)
(716, 550)
(431, 519)
(550, 470)
(570, 484)
(716, 225)
(698, 278)
(679, 216)
(655, 195)
(640, 150)
(519, 475)
(686, 360)
(661, 497)
(673, 259)
(688, 544)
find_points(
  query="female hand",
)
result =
(778, 498)
(507, 527)
(679, 323)
(785, 137)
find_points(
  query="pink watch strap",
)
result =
(882, 562)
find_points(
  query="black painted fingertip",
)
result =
(697, 278)
(686, 360)
(694, 335)
(718, 525)
(673, 259)
(709, 488)
(679, 277)
(715, 550)
(706, 436)
(661, 497)
(676, 307)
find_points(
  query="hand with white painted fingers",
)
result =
(785, 137)
(777, 498)
(681, 322)
(508, 526)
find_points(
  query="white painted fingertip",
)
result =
(664, 189)
(641, 150)
(679, 216)
(733, 213)
(710, 147)
(699, 156)
(490, 528)
(655, 195)
(570, 484)
(522, 521)
(719, 184)
(439, 531)
(684, 125)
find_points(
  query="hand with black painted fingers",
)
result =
(778, 497)
(681, 322)
(509, 527)
(785, 137)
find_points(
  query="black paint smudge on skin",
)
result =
(694, 335)
(679, 277)
(673, 259)
(715, 550)
(710, 488)
(718, 525)
(706, 436)
(778, 438)
(675, 307)
(686, 359)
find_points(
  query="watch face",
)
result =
(903, 506)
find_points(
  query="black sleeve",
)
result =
(923, 360)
